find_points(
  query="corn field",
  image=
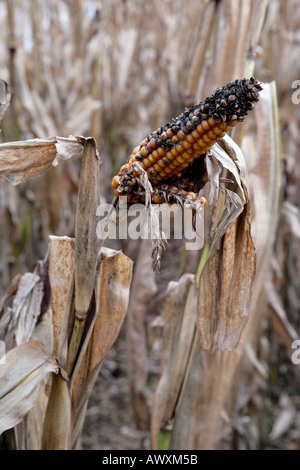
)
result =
(130, 344)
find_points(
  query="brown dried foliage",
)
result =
(144, 73)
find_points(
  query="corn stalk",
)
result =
(65, 316)
(111, 73)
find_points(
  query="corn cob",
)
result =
(172, 148)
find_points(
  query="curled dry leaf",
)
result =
(21, 371)
(225, 155)
(20, 161)
(67, 148)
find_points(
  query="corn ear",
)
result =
(168, 151)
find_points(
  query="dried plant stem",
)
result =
(57, 424)
(195, 342)
(86, 246)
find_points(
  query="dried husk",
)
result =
(225, 287)
(226, 283)
(21, 372)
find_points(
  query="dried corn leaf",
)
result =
(226, 204)
(67, 148)
(27, 306)
(22, 317)
(22, 160)
(87, 243)
(29, 431)
(178, 332)
(21, 371)
(265, 179)
(266, 173)
(112, 285)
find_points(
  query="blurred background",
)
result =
(117, 70)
